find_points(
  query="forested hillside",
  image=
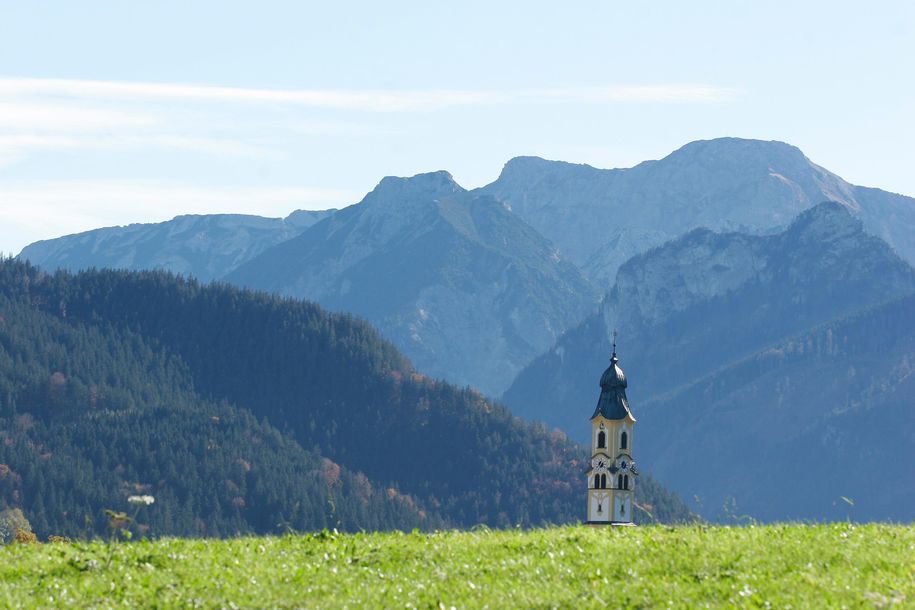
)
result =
(822, 415)
(91, 413)
(115, 382)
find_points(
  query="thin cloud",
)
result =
(33, 116)
(14, 147)
(39, 115)
(363, 100)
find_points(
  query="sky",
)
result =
(120, 112)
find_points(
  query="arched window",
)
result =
(601, 440)
(626, 482)
(597, 481)
(603, 481)
(624, 440)
(622, 508)
(619, 482)
(600, 508)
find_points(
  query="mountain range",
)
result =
(468, 291)
(713, 263)
(472, 292)
(701, 317)
(206, 247)
(600, 218)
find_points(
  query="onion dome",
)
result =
(613, 403)
(613, 377)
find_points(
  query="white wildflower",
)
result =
(144, 500)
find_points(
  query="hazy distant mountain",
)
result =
(469, 290)
(463, 287)
(600, 218)
(692, 310)
(203, 246)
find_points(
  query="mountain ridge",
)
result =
(601, 217)
(405, 261)
(466, 289)
(206, 246)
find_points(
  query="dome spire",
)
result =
(613, 403)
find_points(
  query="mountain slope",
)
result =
(328, 381)
(91, 413)
(600, 218)
(205, 247)
(822, 415)
(696, 306)
(463, 287)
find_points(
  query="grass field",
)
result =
(780, 566)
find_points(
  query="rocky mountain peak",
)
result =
(824, 244)
(741, 151)
(524, 164)
(739, 172)
(428, 187)
(733, 163)
(825, 222)
(306, 218)
(675, 276)
(534, 169)
(828, 242)
(464, 287)
(599, 218)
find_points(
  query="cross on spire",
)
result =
(615, 333)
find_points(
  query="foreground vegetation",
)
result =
(780, 566)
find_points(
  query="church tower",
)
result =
(611, 479)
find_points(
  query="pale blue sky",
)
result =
(113, 112)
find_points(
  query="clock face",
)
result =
(599, 463)
(623, 465)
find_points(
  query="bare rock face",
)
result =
(823, 247)
(624, 243)
(466, 289)
(697, 267)
(202, 246)
(728, 184)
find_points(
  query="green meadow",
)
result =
(776, 566)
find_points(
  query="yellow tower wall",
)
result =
(616, 505)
